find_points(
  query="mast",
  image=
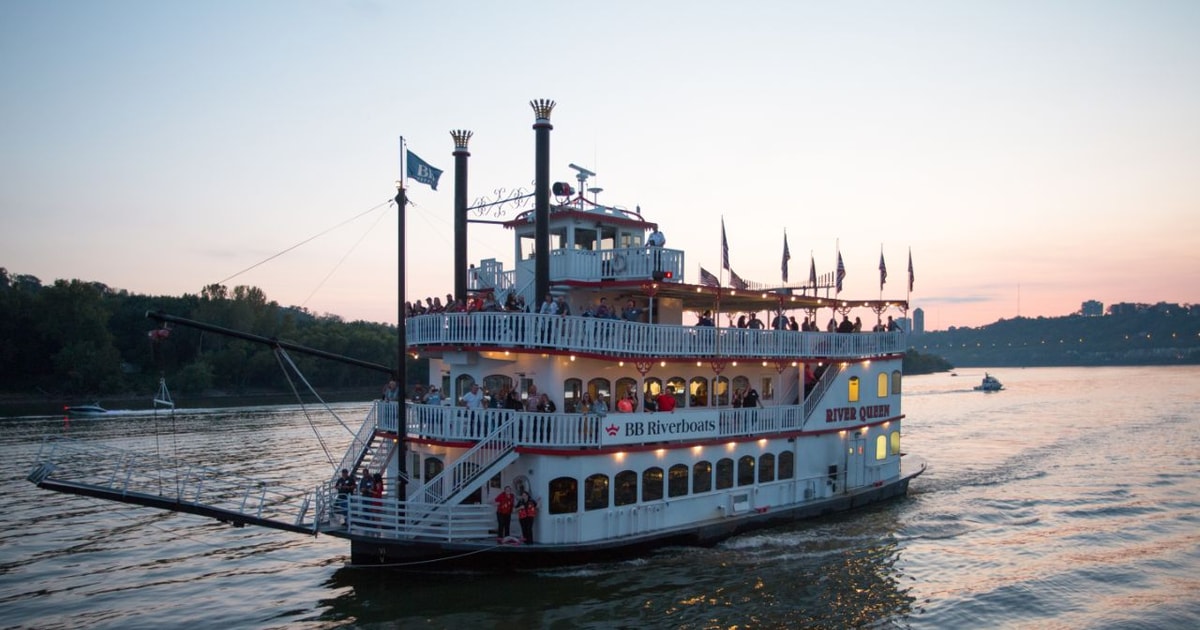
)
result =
(402, 341)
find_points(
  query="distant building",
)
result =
(918, 320)
(1092, 308)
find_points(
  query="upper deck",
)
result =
(622, 339)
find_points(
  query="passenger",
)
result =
(631, 313)
(780, 322)
(434, 397)
(892, 326)
(504, 508)
(600, 408)
(526, 512)
(391, 391)
(419, 394)
(549, 306)
(706, 319)
(845, 326)
(563, 307)
(626, 405)
(792, 325)
(602, 311)
(751, 398)
(754, 323)
(585, 403)
(513, 402)
(857, 324)
(832, 326)
(366, 483)
(741, 321)
(473, 399)
(666, 400)
(545, 405)
(738, 395)
(531, 401)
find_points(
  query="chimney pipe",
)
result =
(541, 197)
(461, 138)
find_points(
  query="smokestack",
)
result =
(541, 197)
(461, 138)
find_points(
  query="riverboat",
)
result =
(666, 428)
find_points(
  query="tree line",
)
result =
(75, 338)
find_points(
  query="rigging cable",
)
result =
(343, 259)
(282, 356)
(307, 240)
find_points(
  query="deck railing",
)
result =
(571, 430)
(615, 337)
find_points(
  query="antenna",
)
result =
(582, 174)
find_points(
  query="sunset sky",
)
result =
(1032, 154)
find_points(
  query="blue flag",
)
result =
(421, 171)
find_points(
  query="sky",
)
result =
(1032, 155)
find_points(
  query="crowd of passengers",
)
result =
(630, 312)
(510, 398)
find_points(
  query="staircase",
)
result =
(466, 474)
(827, 379)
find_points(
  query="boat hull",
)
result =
(366, 551)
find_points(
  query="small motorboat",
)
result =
(93, 409)
(990, 384)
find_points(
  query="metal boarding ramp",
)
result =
(71, 466)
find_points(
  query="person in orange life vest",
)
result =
(526, 511)
(666, 400)
(504, 509)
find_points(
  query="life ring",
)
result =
(618, 263)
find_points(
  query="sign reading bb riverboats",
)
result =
(636, 428)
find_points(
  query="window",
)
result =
(433, 467)
(896, 381)
(564, 495)
(724, 473)
(595, 492)
(895, 442)
(572, 389)
(721, 391)
(625, 488)
(653, 389)
(767, 391)
(745, 474)
(652, 484)
(462, 385)
(852, 394)
(701, 477)
(741, 382)
(787, 465)
(766, 467)
(677, 480)
(698, 392)
(600, 387)
(881, 384)
(493, 383)
(680, 387)
(881, 447)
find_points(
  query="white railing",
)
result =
(574, 430)
(586, 265)
(621, 338)
(386, 517)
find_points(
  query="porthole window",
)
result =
(745, 473)
(701, 477)
(787, 465)
(724, 473)
(564, 495)
(766, 467)
(677, 480)
(595, 492)
(652, 484)
(625, 488)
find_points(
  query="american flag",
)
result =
(910, 272)
(736, 281)
(724, 247)
(787, 255)
(841, 272)
(882, 271)
(812, 271)
(707, 279)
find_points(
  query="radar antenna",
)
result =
(582, 174)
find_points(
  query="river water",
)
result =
(1069, 500)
